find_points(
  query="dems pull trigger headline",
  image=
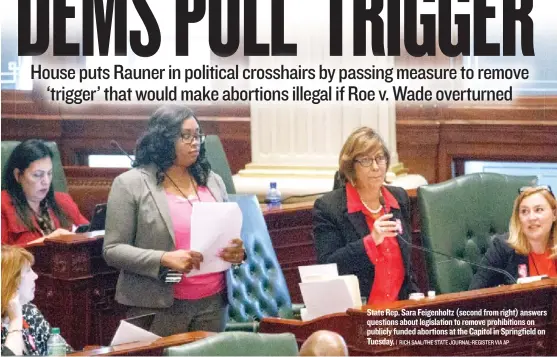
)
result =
(431, 36)
(436, 30)
(103, 20)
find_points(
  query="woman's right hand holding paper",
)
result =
(182, 260)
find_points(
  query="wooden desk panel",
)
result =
(290, 228)
(75, 289)
(353, 325)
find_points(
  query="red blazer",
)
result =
(14, 232)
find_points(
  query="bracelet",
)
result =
(10, 331)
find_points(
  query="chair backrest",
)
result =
(219, 163)
(257, 288)
(59, 182)
(239, 344)
(459, 217)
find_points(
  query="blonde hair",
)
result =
(517, 239)
(361, 141)
(13, 261)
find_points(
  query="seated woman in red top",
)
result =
(31, 210)
(364, 227)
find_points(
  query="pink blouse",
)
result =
(200, 286)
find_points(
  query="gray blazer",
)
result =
(138, 231)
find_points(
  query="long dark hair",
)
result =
(157, 144)
(21, 158)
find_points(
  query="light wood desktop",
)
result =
(366, 330)
(145, 348)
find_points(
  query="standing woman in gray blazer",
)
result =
(148, 228)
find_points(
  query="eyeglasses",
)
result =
(188, 138)
(542, 187)
(368, 161)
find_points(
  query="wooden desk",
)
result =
(356, 326)
(146, 348)
(75, 289)
(291, 231)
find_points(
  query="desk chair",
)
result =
(257, 288)
(459, 218)
(219, 163)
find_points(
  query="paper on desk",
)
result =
(353, 285)
(95, 234)
(127, 333)
(213, 226)
(318, 272)
(305, 315)
(339, 297)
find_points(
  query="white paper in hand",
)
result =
(127, 333)
(213, 226)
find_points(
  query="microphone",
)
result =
(115, 144)
(500, 271)
(169, 276)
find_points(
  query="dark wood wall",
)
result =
(433, 141)
(88, 129)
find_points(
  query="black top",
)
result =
(36, 331)
(499, 255)
(339, 238)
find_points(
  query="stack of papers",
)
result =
(342, 292)
(213, 226)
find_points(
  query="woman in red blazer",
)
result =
(31, 210)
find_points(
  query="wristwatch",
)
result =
(237, 265)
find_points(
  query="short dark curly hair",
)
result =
(157, 144)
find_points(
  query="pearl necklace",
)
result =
(374, 211)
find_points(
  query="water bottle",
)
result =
(273, 196)
(56, 345)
